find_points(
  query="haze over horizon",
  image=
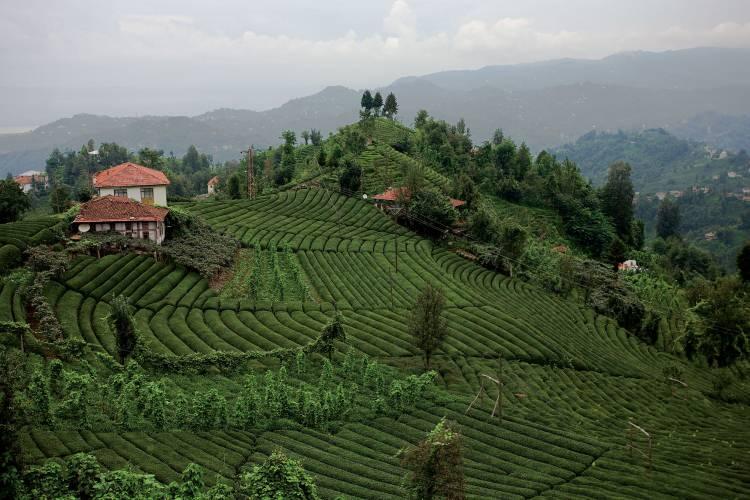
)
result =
(166, 57)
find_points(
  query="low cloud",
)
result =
(182, 53)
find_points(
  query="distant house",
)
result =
(28, 179)
(733, 175)
(130, 180)
(628, 265)
(123, 215)
(212, 183)
(392, 196)
(661, 195)
(710, 236)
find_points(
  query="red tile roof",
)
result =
(129, 174)
(23, 179)
(213, 180)
(392, 194)
(119, 209)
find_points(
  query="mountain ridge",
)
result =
(542, 116)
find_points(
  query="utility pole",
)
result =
(250, 173)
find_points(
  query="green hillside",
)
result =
(660, 161)
(572, 380)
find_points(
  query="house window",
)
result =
(145, 235)
(147, 195)
(121, 192)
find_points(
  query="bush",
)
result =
(431, 212)
(10, 257)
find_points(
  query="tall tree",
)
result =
(366, 102)
(191, 162)
(421, 119)
(305, 136)
(435, 464)
(427, 325)
(233, 187)
(668, 219)
(617, 199)
(315, 137)
(59, 198)
(523, 161)
(13, 201)
(377, 103)
(390, 108)
(497, 137)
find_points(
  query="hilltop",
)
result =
(660, 160)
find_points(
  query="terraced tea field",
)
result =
(572, 380)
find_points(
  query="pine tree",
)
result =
(427, 325)
(377, 103)
(366, 102)
(617, 199)
(390, 108)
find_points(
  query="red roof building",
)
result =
(393, 194)
(212, 183)
(133, 181)
(123, 215)
(129, 174)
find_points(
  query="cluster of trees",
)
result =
(375, 106)
(13, 201)
(600, 222)
(81, 476)
(70, 172)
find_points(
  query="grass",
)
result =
(572, 380)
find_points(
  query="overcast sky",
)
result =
(136, 57)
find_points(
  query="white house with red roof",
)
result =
(27, 180)
(123, 215)
(130, 180)
(212, 183)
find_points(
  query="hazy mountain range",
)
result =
(702, 94)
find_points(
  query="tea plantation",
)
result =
(572, 380)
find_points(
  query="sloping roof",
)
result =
(23, 179)
(129, 174)
(119, 209)
(213, 180)
(37, 173)
(392, 194)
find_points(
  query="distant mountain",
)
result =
(545, 104)
(723, 131)
(688, 69)
(660, 161)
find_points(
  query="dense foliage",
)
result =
(13, 201)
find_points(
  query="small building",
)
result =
(392, 196)
(27, 180)
(710, 236)
(123, 215)
(130, 180)
(212, 183)
(628, 265)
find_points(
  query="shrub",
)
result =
(278, 477)
(10, 257)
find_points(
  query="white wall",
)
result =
(156, 230)
(134, 193)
